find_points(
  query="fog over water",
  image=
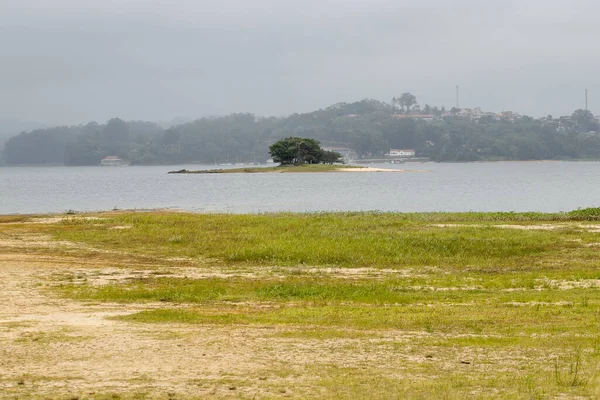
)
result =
(72, 61)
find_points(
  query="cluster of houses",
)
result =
(468, 113)
(401, 153)
(477, 113)
(473, 114)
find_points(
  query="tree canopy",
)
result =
(406, 101)
(296, 150)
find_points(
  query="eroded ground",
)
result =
(52, 346)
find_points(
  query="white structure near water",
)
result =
(111, 161)
(401, 153)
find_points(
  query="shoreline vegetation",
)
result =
(305, 168)
(366, 304)
(367, 129)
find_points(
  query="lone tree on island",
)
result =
(295, 151)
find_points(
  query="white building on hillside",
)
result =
(401, 153)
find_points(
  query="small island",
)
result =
(291, 169)
(296, 154)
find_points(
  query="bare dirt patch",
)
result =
(56, 220)
(544, 227)
(571, 284)
(548, 227)
(54, 347)
(121, 227)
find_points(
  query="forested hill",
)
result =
(369, 127)
(12, 127)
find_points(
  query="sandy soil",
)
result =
(372, 169)
(546, 227)
(52, 347)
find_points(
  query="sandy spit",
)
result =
(371, 169)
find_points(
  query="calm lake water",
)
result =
(517, 186)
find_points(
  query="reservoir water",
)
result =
(504, 186)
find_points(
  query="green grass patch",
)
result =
(459, 383)
(360, 304)
(409, 290)
(344, 239)
(440, 318)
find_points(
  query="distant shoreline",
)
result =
(366, 164)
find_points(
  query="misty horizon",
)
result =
(68, 63)
(181, 119)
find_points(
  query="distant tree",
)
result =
(284, 151)
(308, 151)
(297, 150)
(584, 121)
(116, 130)
(331, 157)
(407, 100)
(427, 109)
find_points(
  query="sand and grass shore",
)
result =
(328, 305)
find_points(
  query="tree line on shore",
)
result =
(368, 127)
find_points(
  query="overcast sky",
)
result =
(72, 61)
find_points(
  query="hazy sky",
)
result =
(72, 61)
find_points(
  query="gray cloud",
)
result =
(68, 61)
